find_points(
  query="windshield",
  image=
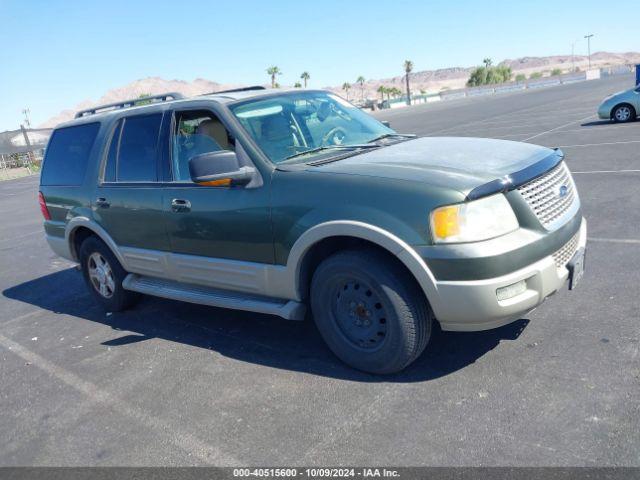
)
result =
(287, 125)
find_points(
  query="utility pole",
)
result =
(588, 37)
(26, 112)
(27, 142)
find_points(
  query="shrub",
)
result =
(521, 77)
(489, 75)
(535, 75)
(555, 72)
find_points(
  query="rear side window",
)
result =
(67, 155)
(136, 159)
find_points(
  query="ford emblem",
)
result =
(563, 190)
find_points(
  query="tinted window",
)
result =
(112, 157)
(139, 148)
(68, 154)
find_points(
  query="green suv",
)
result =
(278, 201)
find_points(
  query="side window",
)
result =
(137, 154)
(68, 154)
(196, 132)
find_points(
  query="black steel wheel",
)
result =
(370, 311)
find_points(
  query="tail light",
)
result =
(43, 207)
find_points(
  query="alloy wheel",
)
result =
(101, 275)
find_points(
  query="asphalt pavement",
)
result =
(170, 383)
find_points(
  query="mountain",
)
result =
(431, 81)
(434, 81)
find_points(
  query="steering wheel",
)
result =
(335, 136)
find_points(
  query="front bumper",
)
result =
(604, 111)
(474, 305)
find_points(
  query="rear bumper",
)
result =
(60, 246)
(474, 305)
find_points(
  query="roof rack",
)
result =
(164, 97)
(242, 89)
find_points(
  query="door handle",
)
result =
(102, 202)
(179, 205)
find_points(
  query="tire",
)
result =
(623, 113)
(369, 311)
(110, 274)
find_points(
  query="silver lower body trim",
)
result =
(288, 309)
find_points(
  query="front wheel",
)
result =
(369, 311)
(623, 113)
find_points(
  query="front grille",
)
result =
(543, 196)
(566, 253)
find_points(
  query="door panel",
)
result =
(133, 215)
(231, 223)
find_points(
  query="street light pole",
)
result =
(588, 37)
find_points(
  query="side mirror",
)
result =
(219, 169)
(386, 123)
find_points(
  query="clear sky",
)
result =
(54, 54)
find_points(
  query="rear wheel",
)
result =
(370, 311)
(623, 113)
(104, 275)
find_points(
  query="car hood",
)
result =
(617, 95)
(459, 163)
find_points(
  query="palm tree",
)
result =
(408, 67)
(361, 81)
(381, 90)
(305, 77)
(346, 86)
(273, 71)
(487, 62)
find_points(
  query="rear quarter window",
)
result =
(67, 155)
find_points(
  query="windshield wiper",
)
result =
(330, 147)
(390, 135)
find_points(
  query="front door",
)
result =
(214, 230)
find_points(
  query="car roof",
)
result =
(221, 97)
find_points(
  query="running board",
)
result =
(288, 309)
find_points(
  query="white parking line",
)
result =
(23, 317)
(18, 237)
(171, 433)
(614, 240)
(598, 144)
(504, 116)
(607, 171)
(557, 128)
(575, 130)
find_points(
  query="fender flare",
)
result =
(81, 221)
(349, 228)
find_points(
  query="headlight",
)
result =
(481, 219)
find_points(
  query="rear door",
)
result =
(128, 201)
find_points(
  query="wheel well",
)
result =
(78, 236)
(330, 245)
(633, 109)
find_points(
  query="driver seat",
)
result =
(277, 137)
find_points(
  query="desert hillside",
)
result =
(431, 81)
